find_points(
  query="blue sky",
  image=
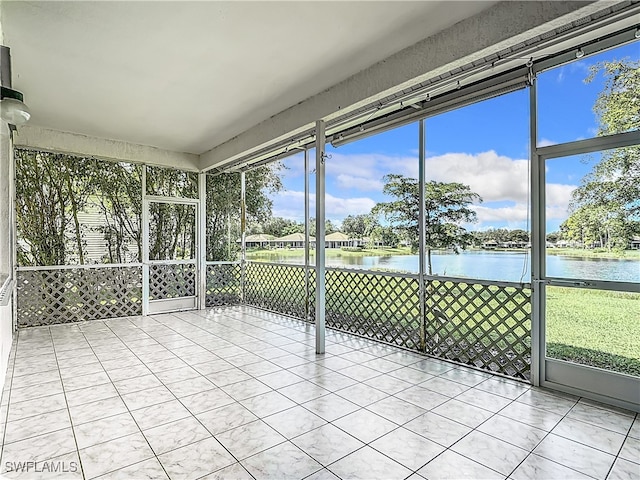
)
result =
(484, 145)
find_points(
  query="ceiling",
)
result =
(188, 76)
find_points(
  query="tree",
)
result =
(329, 227)
(51, 190)
(554, 237)
(613, 185)
(223, 207)
(120, 201)
(518, 235)
(446, 208)
(598, 226)
(279, 227)
(385, 235)
(355, 226)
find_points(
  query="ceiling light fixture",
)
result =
(12, 107)
(579, 53)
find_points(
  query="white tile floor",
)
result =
(240, 393)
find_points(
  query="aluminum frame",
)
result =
(189, 302)
(422, 233)
(584, 380)
(320, 236)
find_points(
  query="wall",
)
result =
(6, 244)
(6, 251)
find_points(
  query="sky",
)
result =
(483, 145)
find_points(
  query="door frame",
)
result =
(591, 382)
(191, 302)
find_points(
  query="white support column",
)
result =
(422, 232)
(538, 243)
(306, 233)
(145, 244)
(201, 229)
(320, 231)
(243, 232)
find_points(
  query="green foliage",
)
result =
(501, 235)
(224, 211)
(446, 208)
(385, 236)
(120, 201)
(279, 227)
(359, 226)
(51, 190)
(607, 202)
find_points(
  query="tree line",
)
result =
(54, 191)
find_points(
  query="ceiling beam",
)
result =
(83, 145)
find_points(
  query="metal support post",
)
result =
(538, 243)
(320, 231)
(306, 235)
(145, 244)
(243, 233)
(422, 235)
(201, 229)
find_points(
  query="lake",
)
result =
(482, 264)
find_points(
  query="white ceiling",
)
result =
(187, 76)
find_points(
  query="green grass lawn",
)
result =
(595, 253)
(594, 327)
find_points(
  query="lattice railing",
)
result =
(172, 280)
(224, 284)
(72, 294)
(484, 324)
(382, 306)
(480, 324)
(277, 287)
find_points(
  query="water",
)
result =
(487, 265)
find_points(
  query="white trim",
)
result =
(32, 137)
(76, 267)
(171, 200)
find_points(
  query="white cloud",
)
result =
(371, 166)
(359, 183)
(494, 177)
(559, 195)
(514, 213)
(290, 204)
(545, 142)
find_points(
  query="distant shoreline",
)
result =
(376, 252)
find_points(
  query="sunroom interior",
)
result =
(164, 350)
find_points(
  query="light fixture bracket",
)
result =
(10, 93)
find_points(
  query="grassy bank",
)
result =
(595, 253)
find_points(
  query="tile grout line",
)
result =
(175, 396)
(121, 399)
(258, 323)
(64, 394)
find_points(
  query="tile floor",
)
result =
(239, 393)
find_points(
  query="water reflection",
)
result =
(489, 265)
